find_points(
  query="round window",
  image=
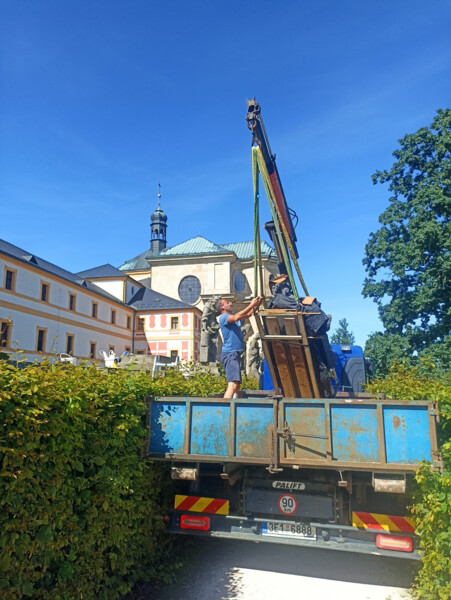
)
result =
(239, 281)
(189, 289)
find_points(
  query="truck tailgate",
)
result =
(373, 434)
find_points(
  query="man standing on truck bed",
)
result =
(233, 345)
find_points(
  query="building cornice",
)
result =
(163, 311)
(188, 258)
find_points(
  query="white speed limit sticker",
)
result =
(287, 504)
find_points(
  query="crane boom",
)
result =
(260, 138)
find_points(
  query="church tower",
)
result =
(158, 226)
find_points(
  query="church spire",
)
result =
(158, 225)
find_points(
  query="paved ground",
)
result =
(236, 570)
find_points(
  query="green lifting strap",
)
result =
(257, 155)
(280, 222)
(257, 247)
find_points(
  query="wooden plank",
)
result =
(308, 356)
(282, 311)
(300, 366)
(281, 361)
(284, 338)
(270, 361)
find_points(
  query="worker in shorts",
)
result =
(233, 345)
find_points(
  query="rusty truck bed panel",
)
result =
(370, 434)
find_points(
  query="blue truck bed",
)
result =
(369, 434)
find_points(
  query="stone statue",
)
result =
(254, 356)
(246, 329)
(209, 332)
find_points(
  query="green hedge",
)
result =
(432, 507)
(81, 512)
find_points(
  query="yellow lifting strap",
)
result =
(258, 165)
(258, 268)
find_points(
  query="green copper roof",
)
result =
(199, 246)
(139, 263)
(196, 245)
(245, 250)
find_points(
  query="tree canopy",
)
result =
(384, 349)
(408, 259)
(342, 335)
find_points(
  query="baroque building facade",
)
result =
(151, 304)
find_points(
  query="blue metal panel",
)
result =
(210, 431)
(308, 419)
(253, 436)
(266, 377)
(406, 430)
(407, 439)
(354, 433)
(346, 356)
(167, 426)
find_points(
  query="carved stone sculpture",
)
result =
(246, 330)
(254, 356)
(209, 332)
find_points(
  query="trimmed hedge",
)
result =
(81, 512)
(432, 499)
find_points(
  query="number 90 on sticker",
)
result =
(287, 504)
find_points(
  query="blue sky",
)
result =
(102, 99)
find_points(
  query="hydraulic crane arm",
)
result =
(259, 138)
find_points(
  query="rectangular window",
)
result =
(140, 352)
(129, 322)
(69, 343)
(217, 279)
(113, 316)
(174, 353)
(94, 310)
(174, 322)
(72, 298)
(92, 349)
(10, 279)
(45, 292)
(5, 333)
(140, 324)
(40, 340)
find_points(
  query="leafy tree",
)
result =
(440, 355)
(342, 334)
(385, 349)
(408, 259)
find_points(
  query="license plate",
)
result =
(292, 530)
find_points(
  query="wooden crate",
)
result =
(287, 352)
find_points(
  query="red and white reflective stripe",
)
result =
(213, 506)
(383, 522)
(392, 542)
(199, 523)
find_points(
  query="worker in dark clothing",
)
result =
(233, 345)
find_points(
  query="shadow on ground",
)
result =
(212, 568)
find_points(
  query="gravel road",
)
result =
(236, 570)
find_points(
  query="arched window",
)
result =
(239, 281)
(189, 289)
